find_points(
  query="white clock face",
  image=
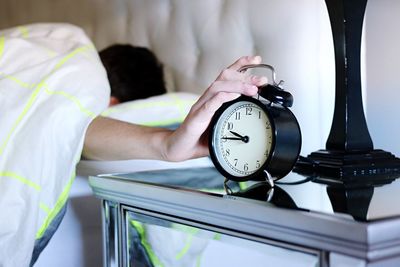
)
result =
(242, 138)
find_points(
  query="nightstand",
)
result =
(184, 217)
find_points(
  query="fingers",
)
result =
(243, 83)
(233, 75)
(229, 85)
(221, 94)
(245, 61)
(231, 80)
(200, 116)
(234, 87)
(238, 87)
(201, 113)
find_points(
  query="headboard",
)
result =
(196, 39)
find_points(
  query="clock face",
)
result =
(242, 138)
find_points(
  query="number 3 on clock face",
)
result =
(249, 136)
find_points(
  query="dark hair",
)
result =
(133, 72)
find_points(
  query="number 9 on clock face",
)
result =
(241, 139)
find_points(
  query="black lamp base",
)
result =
(371, 167)
(349, 157)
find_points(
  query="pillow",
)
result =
(162, 111)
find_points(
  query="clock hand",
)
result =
(236, 134)
(243, 138)
(231, 138)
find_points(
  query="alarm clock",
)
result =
(256, 138)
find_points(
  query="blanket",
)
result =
(52, 85)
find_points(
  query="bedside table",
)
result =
(184, 217)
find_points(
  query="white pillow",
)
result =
(162, 110)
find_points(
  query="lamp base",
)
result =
(355, 168)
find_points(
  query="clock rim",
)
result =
(257, 175)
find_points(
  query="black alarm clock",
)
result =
(256, 138)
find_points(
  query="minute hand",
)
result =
(232, 138)
(243, 138)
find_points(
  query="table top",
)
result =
(358, 221)
(294, 192)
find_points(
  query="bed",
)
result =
(194, 40)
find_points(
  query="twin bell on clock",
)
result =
(256, 138)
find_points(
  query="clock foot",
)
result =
(375, 167)
(227, 189)
(269, 179)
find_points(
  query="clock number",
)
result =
(246, 167)
(237, 116)
(228, 152)
(258, 165)
(230, 126)
(235, 161)
(248, 111)
(259, 114)
(224, 138)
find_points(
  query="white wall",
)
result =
(382, 35)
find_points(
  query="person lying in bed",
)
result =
(135, 73)
(53, 87)
(127, 65)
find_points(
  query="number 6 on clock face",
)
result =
(244, 136)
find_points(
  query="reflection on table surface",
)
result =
(362, 203)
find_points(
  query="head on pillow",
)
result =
(133, 73)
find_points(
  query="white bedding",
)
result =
(52, 84)
(87, 167)
(80, 231)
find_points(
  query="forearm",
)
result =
(109, 139)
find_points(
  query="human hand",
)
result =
(190, 139)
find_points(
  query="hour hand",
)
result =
(236, 134)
